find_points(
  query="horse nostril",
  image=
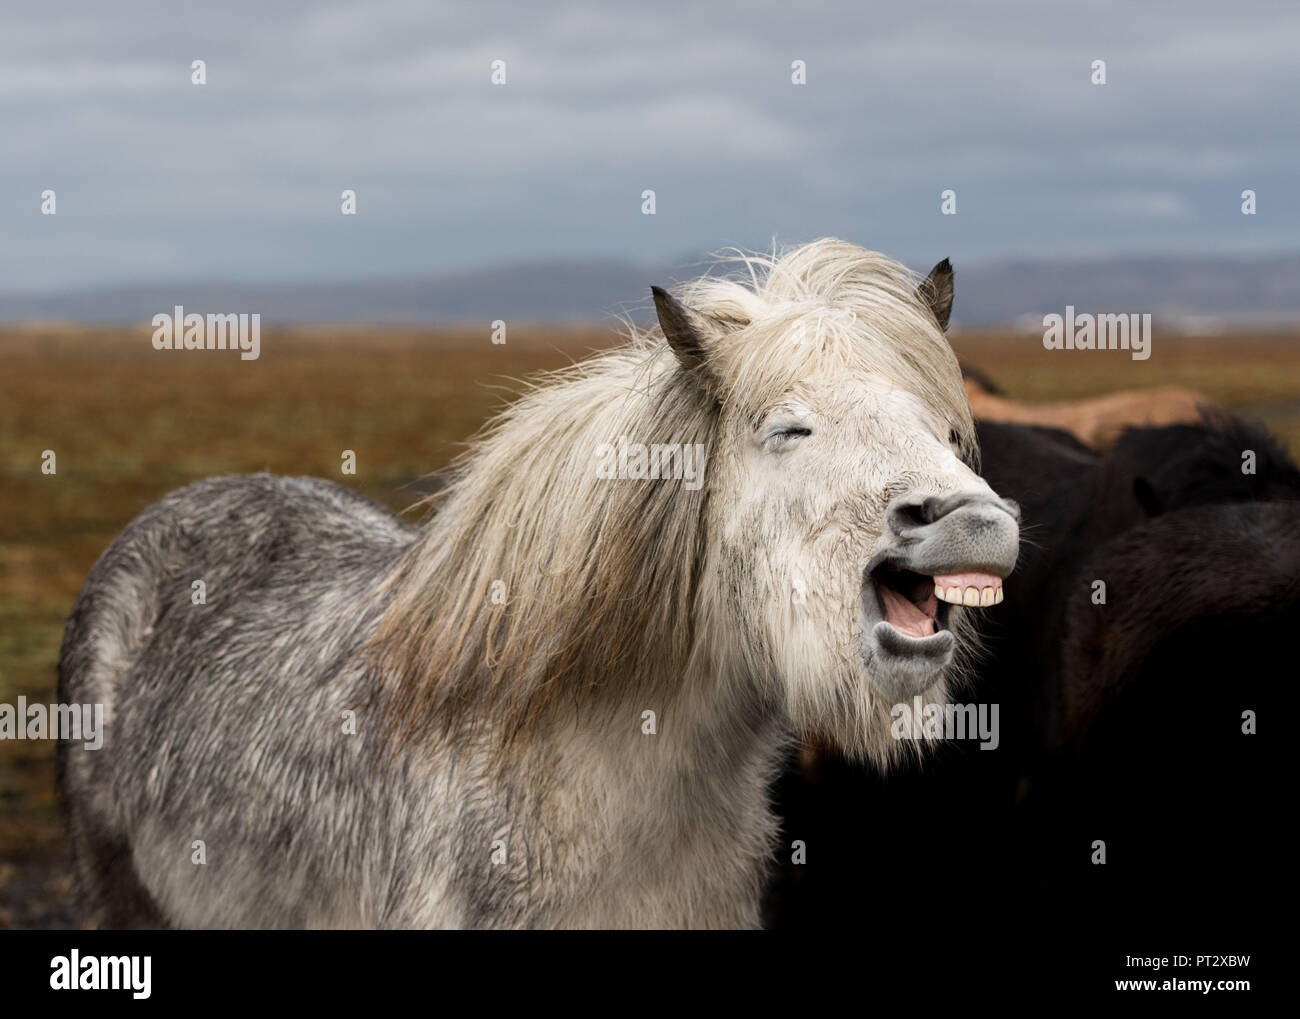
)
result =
(906, 514)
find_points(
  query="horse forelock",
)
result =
(833, 309)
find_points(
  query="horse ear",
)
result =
(935, 292)
(686, 330)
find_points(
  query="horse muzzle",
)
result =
(941, 551)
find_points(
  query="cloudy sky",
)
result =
(239, 179)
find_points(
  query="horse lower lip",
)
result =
(912, 636)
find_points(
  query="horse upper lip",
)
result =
(963, 533)
(898, 559)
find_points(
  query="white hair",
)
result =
(599, 584)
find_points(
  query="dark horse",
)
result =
(1120, 721)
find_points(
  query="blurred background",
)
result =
(525, 200)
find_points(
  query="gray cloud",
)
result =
(240, 179)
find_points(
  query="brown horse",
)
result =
(1096, 421)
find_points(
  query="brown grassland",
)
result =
(128, 424)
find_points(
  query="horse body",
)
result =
(231, 735)
(1096, 421)
(219, 723)
(561, 702)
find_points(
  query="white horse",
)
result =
(571, 689)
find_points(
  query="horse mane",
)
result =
(600, 580)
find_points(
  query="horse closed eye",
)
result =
(785, 436)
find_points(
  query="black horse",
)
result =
(1121, 707)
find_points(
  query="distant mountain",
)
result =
(1257, 289)
(558, 291)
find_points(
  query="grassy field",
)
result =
(128, 424)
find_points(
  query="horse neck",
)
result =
(715, 745)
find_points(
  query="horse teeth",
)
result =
(976, 597)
